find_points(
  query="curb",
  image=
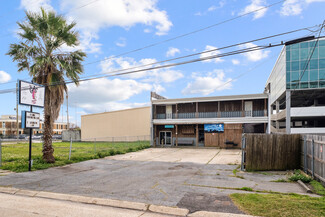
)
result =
(304, 186)
(98, 201)
(215, 214)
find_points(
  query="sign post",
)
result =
(31, 95)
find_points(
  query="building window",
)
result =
(3, 124)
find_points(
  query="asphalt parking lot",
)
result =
(197, 179)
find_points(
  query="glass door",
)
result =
(165, 138)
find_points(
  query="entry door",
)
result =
(165, 138)
(169, 112)
(248, 108)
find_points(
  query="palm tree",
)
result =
(40, 53)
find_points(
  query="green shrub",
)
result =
(246, 189)
(111, 152)
(297, 175)
(130, 149)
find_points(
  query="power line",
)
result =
(256, 48)
(207, 51)
(189, 33)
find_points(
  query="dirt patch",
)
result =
(208, 202)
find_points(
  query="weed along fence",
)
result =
(313, 156)
(271, 152)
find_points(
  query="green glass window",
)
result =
(304, 45)
(294, 55)
(295, 46)
(313, 84)
(304, 54)
(315, 54)
(322, 74)
(313, 64)
(288, 67)
(304, 85)
(288, 55)
(295, 76)
(321, 43)
(288, 77)
(322, 63)
(313, 75)
(312, 43)
(303, 65)
(321, 83)
(295, 66)
(304, 75)
(322, 52)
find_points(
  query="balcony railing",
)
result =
(228, 114)
(231, 114)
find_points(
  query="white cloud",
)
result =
(35, 5)
(235, 61)
(123, 13)
(253, 6)
(164, 75)
(291, 7)
(221, 4)
(212, 53)
(102, 94)
(207, 84)
(121, 42)
(4, 77)
(212, 8)
(295, 7)
(254, 55)
(172, 51)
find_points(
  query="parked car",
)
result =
(23, 136)
(37, 136)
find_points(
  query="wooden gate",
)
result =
(231, 135)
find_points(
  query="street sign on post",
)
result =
(31, 94)
(30, 120)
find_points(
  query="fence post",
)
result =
(305, 154)
(70, 147)
(0, 154)
(243, 153)
(313, 159)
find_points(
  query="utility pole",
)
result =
(67, 96)
(17, 118)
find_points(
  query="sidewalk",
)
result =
(23, 203)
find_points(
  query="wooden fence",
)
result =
(313, 156)
(271, 152)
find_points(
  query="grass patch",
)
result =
(246, 189)
(274, 205)
(297, 175)
(318, 188)
(280, 180)
(15, 156)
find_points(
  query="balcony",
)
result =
(228, 114)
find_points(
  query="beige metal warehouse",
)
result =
(124, 125)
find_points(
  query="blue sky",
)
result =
(111, 27)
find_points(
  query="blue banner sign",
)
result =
(169, 126)
(214, 128)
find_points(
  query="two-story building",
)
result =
(188, 121)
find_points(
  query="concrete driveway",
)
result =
(196, 179)
(184, 155)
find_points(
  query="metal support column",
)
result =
(288, 111)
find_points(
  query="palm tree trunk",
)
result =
(48, 129)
